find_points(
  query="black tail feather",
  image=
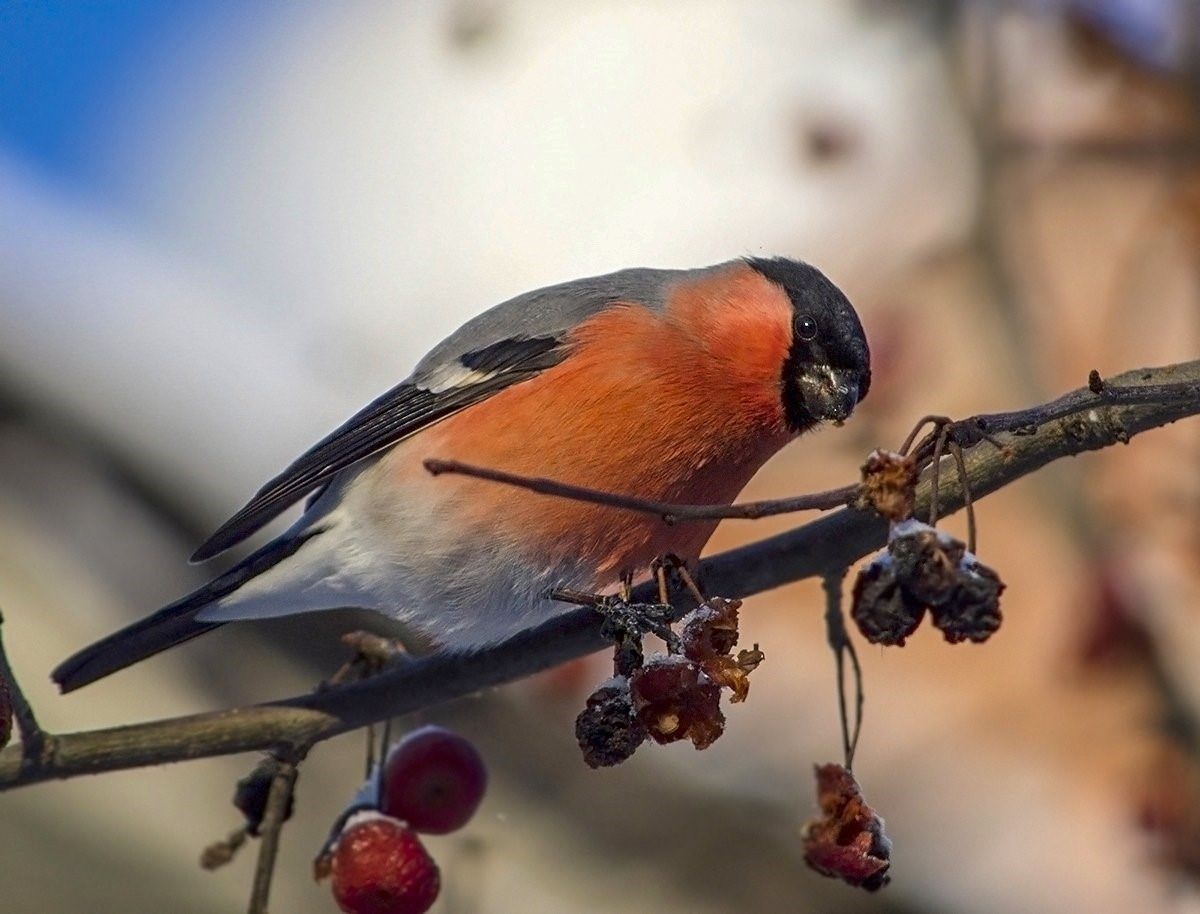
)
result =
(171, 625)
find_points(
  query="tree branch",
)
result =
(1081, 421)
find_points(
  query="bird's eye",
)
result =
(806, 328)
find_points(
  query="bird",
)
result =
(669, 384)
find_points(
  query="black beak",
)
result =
(829, 393)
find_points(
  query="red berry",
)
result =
(380, 867)
(434, 780)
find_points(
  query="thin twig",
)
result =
(34, 741)
(859, 700)
(278, 800)
(670, 513)
(965, 433)
(827, 544)
(839, 642)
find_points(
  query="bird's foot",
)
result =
(669, 569)
(372, 653)
(625, 622)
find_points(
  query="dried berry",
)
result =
(608, 729)
(890, 484)
(972, 612)
(882, 610)
(733, 673)
(925, 562)
(252, 792)
(674, 700)
(711, 629)
(381, 867)
(847, 842)
(434, 780)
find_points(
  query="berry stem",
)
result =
(278, 799)
(843, 647)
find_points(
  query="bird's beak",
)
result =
(829, 393)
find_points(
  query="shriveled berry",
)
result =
(434, 780)
(608, 729)
(882, 610)
(675, 700)
(847, 840)
(972, 613)
(890, 484)
(381, 867)
(711, 629)
(733, 673)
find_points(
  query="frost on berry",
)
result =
(847, 841)
(882, 610)
(381, 867)
(674, 700)
(668, 697)
(889, 484)
(926, 569)
(926, 562)
(252, 792)
(710, 633)
(710, 629)
(608, 728)
(433, 779)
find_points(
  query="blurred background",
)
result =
(225, 226)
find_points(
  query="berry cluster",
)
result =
(925, 569)
(431, 782)
(669, 697)
(921, 570)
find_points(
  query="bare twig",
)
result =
(278, 801)
(1078, 422)
(671, 513)
(929, 452)
(842, 647)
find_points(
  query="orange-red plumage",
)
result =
(682, 406)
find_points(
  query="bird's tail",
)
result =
(172, 624)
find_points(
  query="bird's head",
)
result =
(827, 371)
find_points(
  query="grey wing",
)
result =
(512, 342)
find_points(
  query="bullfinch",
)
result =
(673, 385)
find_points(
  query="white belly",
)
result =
(406, 562)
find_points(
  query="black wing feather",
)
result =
(399, 413)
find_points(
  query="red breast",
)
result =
(682, 405)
